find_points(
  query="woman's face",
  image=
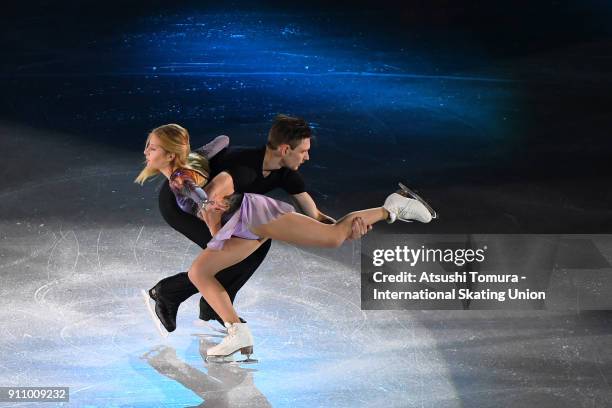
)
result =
(157, 157)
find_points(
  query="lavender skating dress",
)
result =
(254, 210)
(247, 210)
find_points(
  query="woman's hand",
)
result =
(211, 216)
(219, 204)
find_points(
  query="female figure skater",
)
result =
(240, 222)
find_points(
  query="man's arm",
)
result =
(308, 206)
(223, 184)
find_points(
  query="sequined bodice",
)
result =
(189, 195)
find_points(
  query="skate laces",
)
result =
(231, 331)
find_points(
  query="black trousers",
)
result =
(178, 288)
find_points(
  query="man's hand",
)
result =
(359, 228)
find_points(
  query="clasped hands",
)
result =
(358, 228)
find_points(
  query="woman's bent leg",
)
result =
(299, 229)
(209, 262)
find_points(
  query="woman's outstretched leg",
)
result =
(299, 229)
(203, 270)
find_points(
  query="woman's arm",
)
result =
(193, 191)
(220, 186)
(214, 192)
(213, 147)
(186, 189)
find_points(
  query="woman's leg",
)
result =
(299, 229)
(209, 262)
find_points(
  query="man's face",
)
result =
(293, 158)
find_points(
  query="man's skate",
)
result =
(238, 338)
(147, 300)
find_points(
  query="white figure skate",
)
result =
(405, 191)
(403, 208)
(160, 328)
(238, 338)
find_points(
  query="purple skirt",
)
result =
(255, 210)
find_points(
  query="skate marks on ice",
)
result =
(71, 309)
(304, 312)
(82, 322)
(73, 312)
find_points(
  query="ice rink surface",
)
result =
(78, 245)
(502, 130)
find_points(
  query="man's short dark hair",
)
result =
(288, 129)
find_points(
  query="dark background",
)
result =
(497, 112)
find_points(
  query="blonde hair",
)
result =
(175, 139)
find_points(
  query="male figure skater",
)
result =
(253, 170)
